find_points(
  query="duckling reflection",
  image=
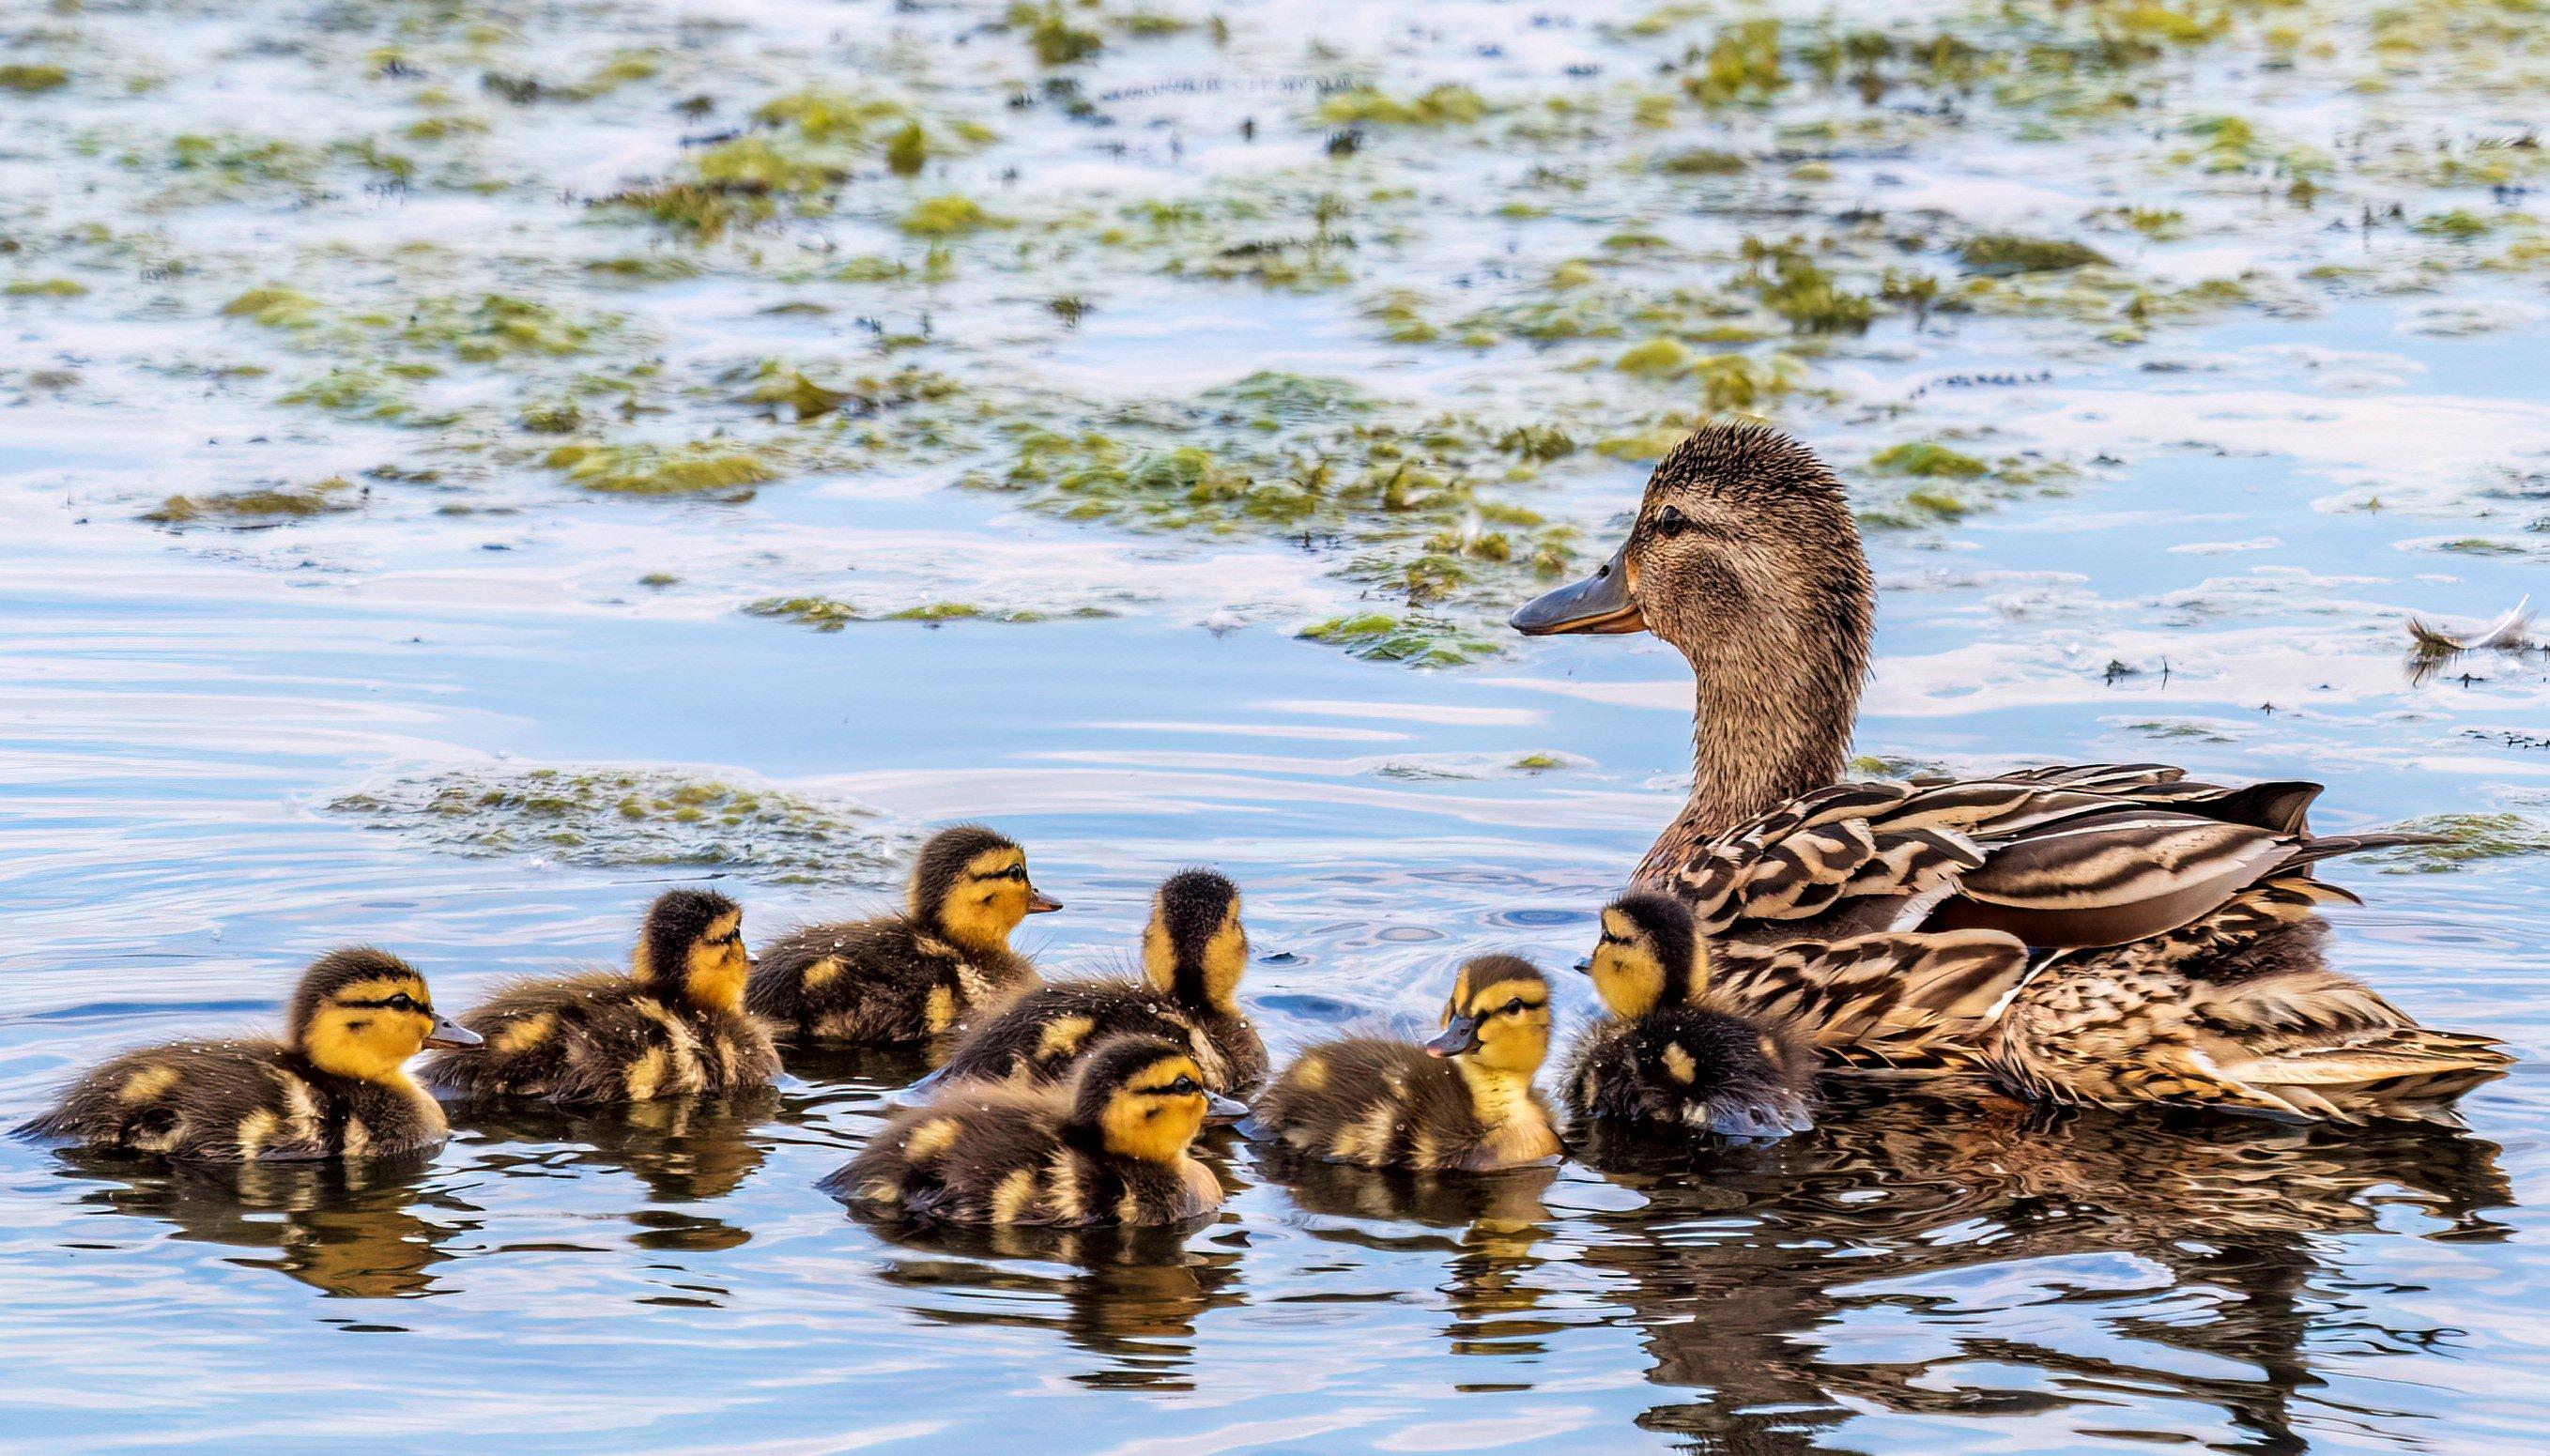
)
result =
(1744, 1263)
(1486, 1224)
(345, 1229)
(684, 1149)
(1127, 1295)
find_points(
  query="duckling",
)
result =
(1193, 953)
(1667, 1057)
(1111, 1148)
(1462, 1101)
(334, 1087)
(916, 974)
(674, 1024)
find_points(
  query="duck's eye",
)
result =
(401, 1002)
(1513, 1007)
(1670, 521)
(1183, 1087)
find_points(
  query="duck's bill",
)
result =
(1457, 1040)
(1220, 1109)
(1601, 603)
(451, 1036)
(1039, 903)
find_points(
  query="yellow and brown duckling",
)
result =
(920, 974)
(335, 1086)
(1665, 1057)
(673, 1025)
(1111, 1147)
(1194, 951)
(1463, 1101)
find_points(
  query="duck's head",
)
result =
(1649, 955)
(971, 886)
(361, 1013)
(692, 947)
(1746, 557)
(1142, 1097)
(1194, 948)
(1498, 1016)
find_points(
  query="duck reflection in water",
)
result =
(1747, 1269)
(684, 1149)
(1130, 1296)
(349, 1229)
(1486, 1225)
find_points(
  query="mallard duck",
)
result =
(1461, 1101)
(2174, 923)
(334, 1087)
(916, 974)
(673, 1025)
(1111, 1147)
(1193, 953)
(1668, 1056)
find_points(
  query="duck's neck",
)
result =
(1499, 1098)
(1767, 728)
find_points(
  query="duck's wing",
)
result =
(2080, 855)
(2235, 1011)
(1904, 1001)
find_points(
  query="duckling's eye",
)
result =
(1513, 1007)
(401, 1002)
(1671, 521)
(1185, 1086)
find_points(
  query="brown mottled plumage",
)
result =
(1668, 1056)
(674, 1025)
(916, 974)
(1746, 557)
(334, 1087)
(1461, 1101)
(1194, 951)
(1111, 1147)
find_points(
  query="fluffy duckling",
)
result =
(1112, 1148)
(1463, 1101)
(1665, 1056)
(675, 1024)
(916, 974)
(1193, 953)
(334, 1087)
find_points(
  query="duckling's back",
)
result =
(1374, 1102)
(997, 1153)
(598, 1039)
(877, 982)
(238, 1102)
(1693, 1067)
(1043, 1035)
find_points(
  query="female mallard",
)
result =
(1463, 1101)
(334, 1087)
(910, 977)
(673, 1025)
(2177, 945)
(1111, 1148)
(1193, 953)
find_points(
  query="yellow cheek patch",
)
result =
(1064, 1038)
(523, 1035)
(147, 1084)
(931, 1138)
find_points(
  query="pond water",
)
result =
(1137, 447)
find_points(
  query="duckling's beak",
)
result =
(1220, 1109)
(1039, 903)
(448, 1032)
(1601, 603)
(1459, 1039)
(1585, 966)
